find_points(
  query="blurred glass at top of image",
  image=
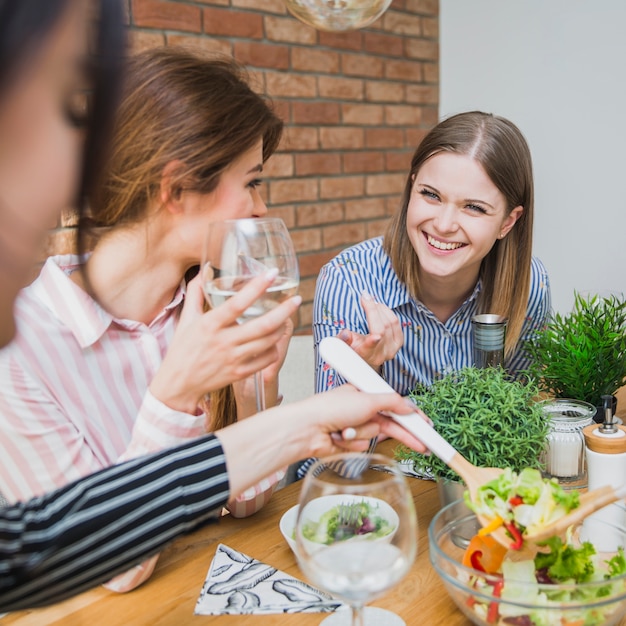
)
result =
(337, 15)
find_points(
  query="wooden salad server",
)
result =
(355, 370)
(590, 502)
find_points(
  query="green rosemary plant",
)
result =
(491, 420)
(582, 355)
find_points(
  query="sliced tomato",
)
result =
(492, 611)
(516, 534)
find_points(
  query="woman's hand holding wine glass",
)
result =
(210, 350)
(356, 535)
(236, 251)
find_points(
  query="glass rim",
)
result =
(585, 408)
(266, 219)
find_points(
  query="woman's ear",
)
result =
(509, 221)
(171, 189)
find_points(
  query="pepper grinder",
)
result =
(489, 331)
(606, 465)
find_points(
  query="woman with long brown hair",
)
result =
(459, 245)
(116, 360)
(64, 542)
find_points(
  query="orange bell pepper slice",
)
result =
(487, 551)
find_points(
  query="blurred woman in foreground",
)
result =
(60, 544)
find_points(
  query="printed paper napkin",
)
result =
(406, 467)
(238, 584)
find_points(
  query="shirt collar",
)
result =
(76, 309)
(398, 293)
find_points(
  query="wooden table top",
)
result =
(169, 597)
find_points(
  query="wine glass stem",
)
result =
(259, 391)
(358, 616)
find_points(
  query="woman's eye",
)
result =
(76, 109)
(475, 208)
(256, 182)
(429, 194)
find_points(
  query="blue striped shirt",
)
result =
(431, 348)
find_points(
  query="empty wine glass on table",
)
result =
(356, 534)
(235, 252)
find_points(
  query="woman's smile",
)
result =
(442, 245)
(454, 217)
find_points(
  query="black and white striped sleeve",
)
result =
(81, 535)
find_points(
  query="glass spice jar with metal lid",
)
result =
(564, 456)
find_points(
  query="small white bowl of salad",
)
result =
(568, 583)
(371, 520)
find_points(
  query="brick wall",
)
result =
(355, 105)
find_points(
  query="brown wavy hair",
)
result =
(501, 149)
(194, 109)
(184, 106)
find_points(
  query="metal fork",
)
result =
(347, 521)
(352, 468)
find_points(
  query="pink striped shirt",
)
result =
(74, 394)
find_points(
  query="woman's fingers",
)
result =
(365, 432)
(346, 407)
(385, 333)
(270, 322)
(282, 345)
(228, 313)
(391, 428)
(384, 338)
(194, 301)
(362, 412)
(358, 445)
(234, 308)
(383, 428)
(211, 350)
(348, 433)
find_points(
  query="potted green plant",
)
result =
(582, 354)
(492, 420)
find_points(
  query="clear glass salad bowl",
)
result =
(522, 602)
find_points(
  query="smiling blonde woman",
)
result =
(459, 245)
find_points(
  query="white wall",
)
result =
(557, 69)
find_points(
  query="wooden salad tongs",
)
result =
(589, 503)
(355, 370)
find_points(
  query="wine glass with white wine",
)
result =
(356, 534)
(235, 252)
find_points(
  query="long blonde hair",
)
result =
(500, 148)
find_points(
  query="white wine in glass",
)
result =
(235, 252)
(356, 535)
